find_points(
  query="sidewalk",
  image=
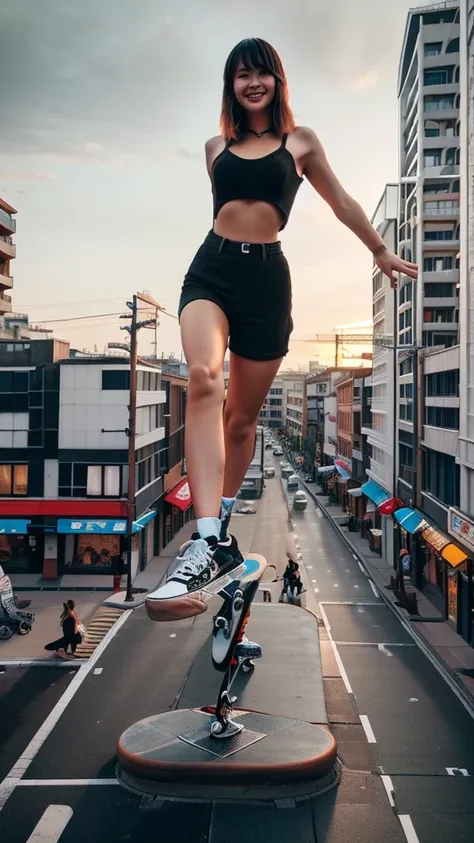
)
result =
(46, 607)
(444, 645)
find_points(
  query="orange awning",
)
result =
(443, 545)
(453, 555)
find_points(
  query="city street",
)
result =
(405, 740)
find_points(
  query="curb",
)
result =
(451, 677)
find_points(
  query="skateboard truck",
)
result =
(223, 726)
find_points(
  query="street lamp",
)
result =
(133, 329)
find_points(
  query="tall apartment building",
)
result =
(381, 430)
(282, 406)
(7, 253)
(321, 418)
(428, 224)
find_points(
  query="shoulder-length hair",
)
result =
(259, 54)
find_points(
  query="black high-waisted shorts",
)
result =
(251, 283)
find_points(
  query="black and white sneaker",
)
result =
(200, 561)
(229, 546)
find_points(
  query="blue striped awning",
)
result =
(375, 493)
(141, 522)
(410, 519)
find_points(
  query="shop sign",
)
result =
(461, 527)
(106, 526)
(438, 541)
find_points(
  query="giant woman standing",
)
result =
(237, 293)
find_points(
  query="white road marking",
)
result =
(173, 635)
(52, 824)
(98, 670)
(347, 570)
(350, 603)
(319, 513)
(365, 573)
(388, 785)
(7, 786)
(316, 590)
(337, 656)
(374, 588)
(66, 782)
(384, 650)
(43, 662)
(356, 586)
(313, 580)
(336, 585)
(454, 771)
(355, 557)
(329, 570)
(367, 728)
(413, 699)
(371, 644)
(408, 828)
(309, 567)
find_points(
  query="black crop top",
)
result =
(272, 178)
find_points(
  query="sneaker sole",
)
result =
(189, 605)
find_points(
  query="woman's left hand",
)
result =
(390, 263)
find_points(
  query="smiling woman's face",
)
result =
(254, 88)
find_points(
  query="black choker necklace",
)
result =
(260, 134)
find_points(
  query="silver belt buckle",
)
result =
(245, 248)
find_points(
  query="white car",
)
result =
(292, 482)
(277, 452)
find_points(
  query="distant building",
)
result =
(7, 254)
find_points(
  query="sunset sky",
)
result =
(105, 107)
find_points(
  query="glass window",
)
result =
(433, 48)
(433, 158)
(5, 479)
(116, 379)
(112, 480)
(94, 480)
(453, 46)
(20, 480)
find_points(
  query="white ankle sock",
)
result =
(207, 527)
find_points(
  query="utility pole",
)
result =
(133, 329)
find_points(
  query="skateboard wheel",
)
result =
(216, 728)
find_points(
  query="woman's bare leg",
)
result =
(204, 335)
(249, 382)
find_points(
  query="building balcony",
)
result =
(379, 404)
(440, 214)
(379, 474)
(449, 301)
(445, 276)
(441, 141)
(7, 248)
(7, 221)
(441, 327)
(5, 303)
(6, 282)
(440, 245)
(441, 170)
(441, 439)
(445, 88)
(441, 114)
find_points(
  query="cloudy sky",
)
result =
(105, 108)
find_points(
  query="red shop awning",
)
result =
(180, 495)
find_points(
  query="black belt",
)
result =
(234, 247)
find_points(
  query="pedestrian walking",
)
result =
(72, 630)
(237, 293)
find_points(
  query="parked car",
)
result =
(300, 500)
(284, 464)
(286, 472)
(277, 452)
(292, 482)
(269, 472)
(308, 478)
(268, 446)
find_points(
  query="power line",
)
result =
(90, 316)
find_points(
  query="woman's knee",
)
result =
(238, 425)
(205, 381)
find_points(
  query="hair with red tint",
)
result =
(259, 54)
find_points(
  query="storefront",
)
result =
(178, 510)
(94, 547)
(377, 530)
(15, 547)
(461, 528)
(445, 565)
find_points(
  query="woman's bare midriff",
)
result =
(248, 221)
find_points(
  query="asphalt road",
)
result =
(399, 726)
